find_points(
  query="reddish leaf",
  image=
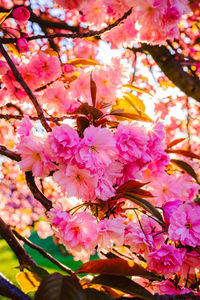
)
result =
(185, 167)
(85, 109)
(93, 294)
(175, 142)
(59, 287)
(144, 204)
(116, 266)
(133, 186)
(125, 285)
(184, 153)
(82, 124)
(93, 90)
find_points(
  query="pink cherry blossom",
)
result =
(165, 261)
(185, 225)
(62, 143)
(47, 67)
(80, 232)
(136, 238)
(96, 148)
(169, 208)
(131, 142)
(34, 157)
(111, 231)
(76, 182)
(25, 127)
(57, 97)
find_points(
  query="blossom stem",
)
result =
(43, 253)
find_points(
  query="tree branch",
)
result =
(174, 71)
(19, 78)
(10, 154)
(43, 253)
(45, 22)
(71, 35)
(22, 256)
(36, 192)
(20, 117)
(7, 289)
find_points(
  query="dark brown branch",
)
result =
(51, 24)
(71, 35)
(19, 78)
(174, 71)
(43, 253)
(7, 289)
(7, 234)
(10, 154)
(20, 117)
(36, 192)
(45, 22)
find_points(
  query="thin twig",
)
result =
(20, 117)
(43, 253)
(32, 97)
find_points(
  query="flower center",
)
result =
(188, 225)
(78, 177)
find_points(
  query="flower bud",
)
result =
(22, 45)
(21, 15)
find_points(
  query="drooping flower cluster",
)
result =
(93, 168)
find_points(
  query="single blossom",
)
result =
(165, 261)
(185, 225)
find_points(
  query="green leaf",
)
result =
(143, 203)
(125, 285)
(59, 287)
(185, 167)
(93, 294)
(116, 266)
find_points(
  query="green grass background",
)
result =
(9, 263)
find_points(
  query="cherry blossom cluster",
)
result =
(151, 21)
(84, 170)
(91, 168)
